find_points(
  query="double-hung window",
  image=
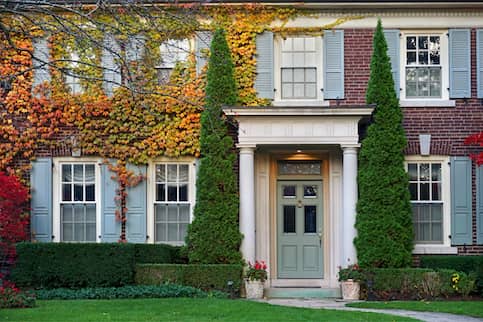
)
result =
(300, 69)
(78, 204)
(426, 189)
(172, 207)
(171, 52)
(71, 80)
(423, 66)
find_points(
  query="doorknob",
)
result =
(320, 237)
(299, 204)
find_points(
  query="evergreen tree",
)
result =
(384, 219)
(214, 236)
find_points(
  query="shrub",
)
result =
(125, 292)
(157, 254)
(416, 283)
(52, 265)
(466, 264)
(384, 219)
(12, 297)
(205, 277)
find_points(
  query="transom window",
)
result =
(425, 186)
(423, 66)
(78, 202)
(299, 62)
(172, 52)
(172, 205)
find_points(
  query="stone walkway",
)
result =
(340, 305)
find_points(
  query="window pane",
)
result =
(184, 213)
(90, 213)
(436, 191)
(413, 190)
(287, 75)
(311, 75)
(66, 173)
(78, 192)
(90, 174)
(172, 172)
(436, 172)
(310, 219)
(172, 213)
(423, 42)
(437, 212)
(173, 232)
(67, 214)
(299, 75)
(183, 231)
(160, 213)
(91, 232)
(437, 232)
(310, 191)
(161, 173)
(66, 192)
(424, 191)
(411, 42)
(78, 172)
(183, 173)
(160, 232)
(413, 171)
(160, 192)
(411, 58)
(172, 192)
(288, 219)
(288, 191)
(310, 91)
(67, 232)
(90, 192)
(79, 232)
(183, 192)
(423, 58)
(287, 90)
(424, 171)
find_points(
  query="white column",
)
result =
(247, 202)
(349, 184)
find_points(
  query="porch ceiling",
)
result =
(305, 125)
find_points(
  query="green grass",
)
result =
(180, 309)
(472, 308)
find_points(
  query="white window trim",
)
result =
(277, 77)
(444, 101)
(445, 247)
(57, 189)
(151, 192)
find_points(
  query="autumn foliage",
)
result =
(476, 139)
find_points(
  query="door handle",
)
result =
(320, 237)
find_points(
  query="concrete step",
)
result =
(299, 292)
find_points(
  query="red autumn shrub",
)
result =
(476, 139)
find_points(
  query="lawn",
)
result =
(180, 309)
(472, 308)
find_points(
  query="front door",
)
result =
(299, 229)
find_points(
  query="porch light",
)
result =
(424, 144)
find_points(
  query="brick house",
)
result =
(298, 155)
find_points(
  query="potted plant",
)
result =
(255, 277)
(349, 279)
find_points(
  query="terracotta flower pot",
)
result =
(350, 290)
(254, 289)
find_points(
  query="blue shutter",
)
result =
(111, 227)
(334, 64)
(392, 39)
(479, 204)
(202, 45)
(136, 205)
(460, 201)
(110, 64)
(40, 60)
(264, 80)
(41, 201)
(459, 63)
(479, 62)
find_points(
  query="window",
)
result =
(78, 206)
(172, 207)
(424, 66)
(71, 80)
(300, 69)
(172, 52)
(425, 186)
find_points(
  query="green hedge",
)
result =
(54, 265)
(416, 283)
(125, 292)
(466, 264)
(203, 276)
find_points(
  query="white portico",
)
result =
(298, 190)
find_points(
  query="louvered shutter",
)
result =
(202, 44)
(479, 203)
(392, 39)
(41, 200)
(40, 60)
(479, 62)
(459, 63)
(136, 205)
(460, 201)
(264, 81)
(334, 64)
(111, 227)
(110, 64)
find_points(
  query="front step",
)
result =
(298, 292)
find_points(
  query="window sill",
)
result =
(427, 103)
(434, 249)
(301, 103)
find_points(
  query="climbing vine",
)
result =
(144, 119)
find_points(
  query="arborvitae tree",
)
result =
(214, 236)
(384, 219)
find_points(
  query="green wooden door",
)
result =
(299, 228)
